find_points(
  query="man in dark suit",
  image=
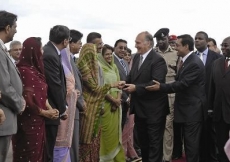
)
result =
(120, 48)
(75, 45)
(150, 108)
(207, 143)
(190, 95)
(59, 39)
(219, 98)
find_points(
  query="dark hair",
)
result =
(129, 50)
(106, 47)
(38, 40)
(212, 40)
(187, 40)
(205, 34)
(149, 37)
(75, 35)
(92, 36)
(59, 33)
(120, 40)
(7, 18)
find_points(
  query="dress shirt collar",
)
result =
(119, 59)
(145, 55)
(205, 52)
(58, 51)
(186, 56)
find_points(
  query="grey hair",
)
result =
(13, 43)
(149, 37)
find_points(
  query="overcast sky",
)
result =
(116, 19)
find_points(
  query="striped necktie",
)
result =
(123, 64)
(140, 62)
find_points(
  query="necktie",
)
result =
(123, 64)
(140, 62)
(180, 64)
(202, 57)
(226, 62)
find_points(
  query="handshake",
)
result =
(154, 86)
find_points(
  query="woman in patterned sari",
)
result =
(65, 129)
(94, 92)
(29, 141)
(111, 134)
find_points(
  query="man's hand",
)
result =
(129, 88)
(23, 106)
(154, 87)
(121, 84)
(2, 116)
(64, 116)
(78, 93)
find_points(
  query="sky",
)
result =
(120, 19)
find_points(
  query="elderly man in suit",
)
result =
(219, 98)
(75, 45)
(150, 108)
(190, 96)
(11, 102)
(207, 143)
(120, 48)
(59, 39)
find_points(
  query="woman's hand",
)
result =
(50, 113)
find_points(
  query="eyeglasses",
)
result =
(122, 48)
(70, 38)
(224, 45)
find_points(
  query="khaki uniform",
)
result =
(170, 57)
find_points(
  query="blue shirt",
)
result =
(205, 55)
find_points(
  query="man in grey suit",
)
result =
(11, 102)
(75, 45)
(120, 48)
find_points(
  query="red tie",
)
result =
(180, 64)
(226, 63)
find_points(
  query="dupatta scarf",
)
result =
(93, 93)
(31, 68)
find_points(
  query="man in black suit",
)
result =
(190, 95)
(207, 143)
(219, 98)
(75, 45)
(150, 108)
(59, 39)
(120, 48)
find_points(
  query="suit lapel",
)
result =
(10, 60)
(146, 63)
(209, 58)
(119, 66)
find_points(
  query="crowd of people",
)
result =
(111, 105)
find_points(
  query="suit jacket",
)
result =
(123, 76)
(212, 56)
(78, 86)
(11, 90)
(150, 105)
(219, 92)
(189, 87)
(55, 79)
